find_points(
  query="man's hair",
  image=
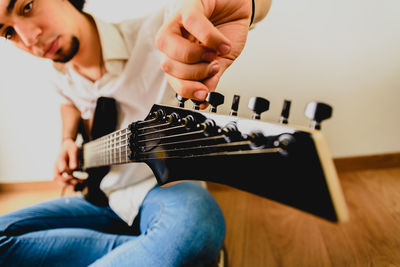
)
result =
(78, 4)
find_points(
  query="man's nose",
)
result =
(27, 32)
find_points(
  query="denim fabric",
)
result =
(180, 225)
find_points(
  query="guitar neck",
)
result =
(108, 150)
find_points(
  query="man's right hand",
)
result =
(66, 163)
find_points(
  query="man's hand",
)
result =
(66, 163)
(201, 41)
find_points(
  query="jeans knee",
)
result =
(205, 221)
(11, 225)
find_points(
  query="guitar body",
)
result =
(104, 122)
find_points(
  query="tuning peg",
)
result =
(197, 104)
(181, 100)
(258, 105)
(215, 99)
(317, 112)
(285, 112)
(235, 105)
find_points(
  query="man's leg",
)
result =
(181, 225)
(62, 232)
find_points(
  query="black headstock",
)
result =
(273, 160)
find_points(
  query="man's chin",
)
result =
(61, 57)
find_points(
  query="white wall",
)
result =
(345, 53)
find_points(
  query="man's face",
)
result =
(44, 28)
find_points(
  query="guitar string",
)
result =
(177, 150)
(162, 155)
(275, 150)
(113, 135)
(210, 138)
(116, 150)
(111, 148)
(119, 147)
(105, 140)
(199, 149)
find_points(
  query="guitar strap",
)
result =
(105, 117)
(104, 122)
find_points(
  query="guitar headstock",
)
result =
(276, 160)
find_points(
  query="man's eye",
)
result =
(9, 33)
(28, 8)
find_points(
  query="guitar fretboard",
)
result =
(108, 150)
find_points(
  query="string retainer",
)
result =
(189, 122)
(209, 127)
(231, 132)
(285, 142)
(172, 118)
(258, 140)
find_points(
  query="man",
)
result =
(141, 224)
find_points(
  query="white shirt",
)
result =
(135, 80)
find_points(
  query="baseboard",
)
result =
(28, 186)
(378, 161)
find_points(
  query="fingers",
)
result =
(64, 178)
(68, 158)
(196, 72)
(205, 32)
(66, 163)
(195, 20)
(73, 159)
(190, 51)
(188, 89)
(194, 48)
(198, 40)
(194, 89)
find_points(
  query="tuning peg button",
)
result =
(181, 100)
(317, 112)
(235, 105)
(197, 104)
(215, 99)
(258, 105)
(285, 112)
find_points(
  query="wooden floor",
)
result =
(261, 232)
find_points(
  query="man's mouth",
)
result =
(52, 48)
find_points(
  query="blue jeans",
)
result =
(180, 225)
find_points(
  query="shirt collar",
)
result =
(112, 44)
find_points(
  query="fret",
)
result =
(109, 161)
(107, 150)
(126, 149)
(119, 148)
(111, 149)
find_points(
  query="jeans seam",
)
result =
(47, 217)
(158, 218)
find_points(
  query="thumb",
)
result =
(73, 161)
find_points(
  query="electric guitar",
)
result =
(285, 163)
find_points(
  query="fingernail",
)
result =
(208, 56)
(214, 69)
(200, 94)
(224, 49)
